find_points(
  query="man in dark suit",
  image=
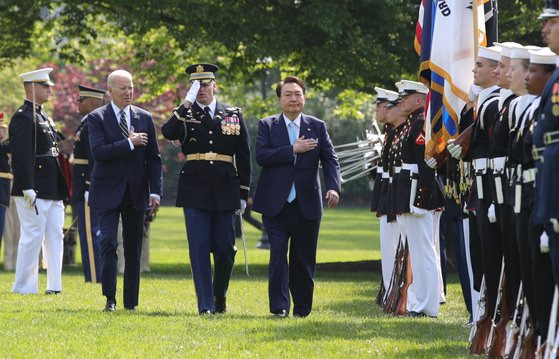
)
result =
(213, 183)
(39, 186)
(289, 148)
(126, 180)
(90, 239)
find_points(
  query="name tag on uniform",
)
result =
(192, 120)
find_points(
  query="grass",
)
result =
(345, 320)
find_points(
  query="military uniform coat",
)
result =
(211, 184)
(40, 170)
(81, 170)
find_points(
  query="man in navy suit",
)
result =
(289, 147)
(126, 180)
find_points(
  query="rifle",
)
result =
(514, 330)
(523, 324)
(496, 339)
(406, 279)
(480, 330)
(381, 292)
(528, 350)
(394, 289)
(464, 139)
(479, 312)
(552, 324)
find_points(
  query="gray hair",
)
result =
(117, 73)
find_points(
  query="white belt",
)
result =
(529, 175)
(480, 165)
(385, 175)
(397, 169)
(412, 167)
(380, 171)
(497, 164)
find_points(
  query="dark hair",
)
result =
(290, 80)
(548, 68)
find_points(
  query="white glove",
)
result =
(243, 206)
(29, 196)
(432, 162)
(491, 214)
(418, 212)
(454, 150)
(555, 224)
(544, 243)
(86, 196)
(474, 92)
(192, 92)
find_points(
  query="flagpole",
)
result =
(476, 30)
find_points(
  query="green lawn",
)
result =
(345, 321)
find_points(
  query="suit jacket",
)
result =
(211, 185)
(37, 170)
(116, 166)
(274, 153)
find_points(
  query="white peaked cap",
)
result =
(406, 87)
(506, 47)
(491, 53)
(523, 53)
(381, 94)
(392, 95)
(38, 76)
(543, 56)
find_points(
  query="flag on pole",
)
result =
(445, 43)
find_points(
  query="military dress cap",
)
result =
(551, 9)
(506, 47)
(40, 76)
(407, 87)
(381, 94)
(543, 56)
(204, 73)
(92, 92)
(393, 98)
(491, 53)
(523, 53)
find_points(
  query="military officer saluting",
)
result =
(90, 237)
(39, 186)
(213, 183)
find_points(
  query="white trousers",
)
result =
(437, 231)
(34, 228)
(421, 240)
(389, 234)
(11, 236)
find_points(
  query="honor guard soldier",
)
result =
(417, 198)
(39, 187)
(213, 183)
(546, 144)
(5, 174)
(388, 230)
(487, 253)
(90, 237)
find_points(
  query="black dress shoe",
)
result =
(220, 306)
(48, 292)
(110, 306)
(280, 313)
(300, 315)
(420, 315)
(205, 312)
(130, 308)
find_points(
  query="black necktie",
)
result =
(207, 112)
(123, 125)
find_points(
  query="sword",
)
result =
(243, 239)
(92, 271)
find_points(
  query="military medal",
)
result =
(555, 110)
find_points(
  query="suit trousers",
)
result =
(426, 280)
(95, 241)
(290, 230)
(47, 225)
(132, 232)
(210, 232)
(389, 236)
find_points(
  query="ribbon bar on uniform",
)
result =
(209, 156)
(81, 161)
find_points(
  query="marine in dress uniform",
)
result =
(213, 183)
(388, 231)
(90, 237)
(417, 198)
(5, 174)
(39, 186)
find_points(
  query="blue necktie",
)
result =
(292, 137)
